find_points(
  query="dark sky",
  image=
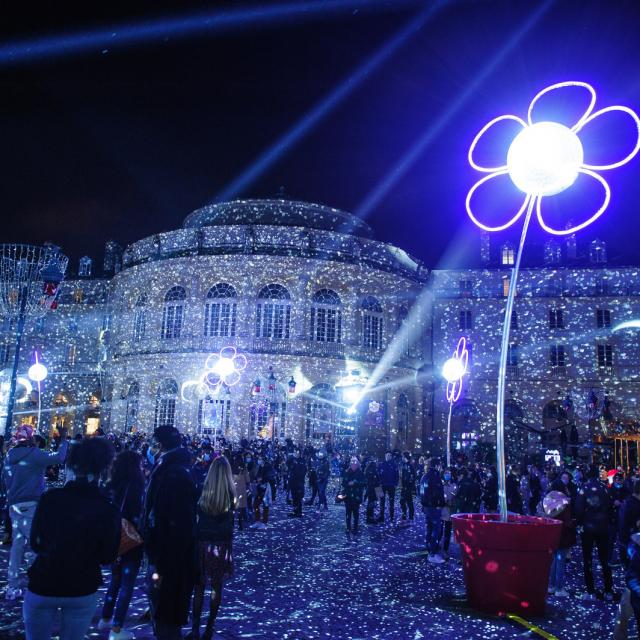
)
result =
(125, 139)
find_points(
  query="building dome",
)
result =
(279, 213)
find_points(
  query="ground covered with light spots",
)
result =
(305, 579)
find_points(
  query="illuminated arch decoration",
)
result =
(544, 159)
(221, 369)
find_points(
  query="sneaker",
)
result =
(561, 593)
(104, 624)
(12, 594)
(589, 597)
(123, 634)
(260, 525)
(436, 558)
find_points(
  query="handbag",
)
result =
(129, 536)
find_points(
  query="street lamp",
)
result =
(38, 373)
(30, 277)
(453, 372)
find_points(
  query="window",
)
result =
(84, 268)
(326, 317)
(465, 287)
(508, 255)
(140, 319)
(220, 311)
(214, 416)
(514, 319)
(512, 355)
(273, 312)
(552, 252)
(371, 323)
(601, 286)
(78, 295)
(604, 355)
(402, 330)
(70, 354)
(173, 312)
(556, 319)
(5, 350)
(603, 318)
(505, 286)
(465, 319)
(166, 403)
(598, 252)
(557, 355)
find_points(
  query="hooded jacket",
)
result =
(24, 469)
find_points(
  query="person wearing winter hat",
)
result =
(24, 470)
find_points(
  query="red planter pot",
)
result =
(506, 564)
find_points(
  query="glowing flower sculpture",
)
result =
(544, 159)
(453, 371)
(220, 369)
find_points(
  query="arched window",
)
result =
(220, 311)
(508, 254)
(273, 312)
(326, 316)
(173, 313)
(166, 403)
(140, 318)
(371, 323)
(133, 399)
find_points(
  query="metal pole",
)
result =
(502, 371)
(449, 435)
(16, 362)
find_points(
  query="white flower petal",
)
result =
(481, 133)
(562, 85)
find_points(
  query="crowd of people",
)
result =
(171, 503)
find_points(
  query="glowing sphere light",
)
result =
(37, 372)
(452, 370)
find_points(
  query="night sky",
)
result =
(122, 139)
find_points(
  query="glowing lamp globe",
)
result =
(452, 370)
(545, 159)
(37, 372)
(224, 367)
(352, 395)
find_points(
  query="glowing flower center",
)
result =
(224, 367)
(453, 370)
(545, 158)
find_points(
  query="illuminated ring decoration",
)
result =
(222, 368)
(461, 354)
(545, 138)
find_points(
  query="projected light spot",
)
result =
(224, 367)
(452, 370)
(545, 158)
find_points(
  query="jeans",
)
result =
(601, 542)
(446, 534)
(433, 517)
(75, 615)
(120, 590)
(391, 492)
(322, 493)
(21, 519)
(558, 565)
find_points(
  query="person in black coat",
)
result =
(593, 512)
(469, 493)
(169, 532)
(514, 497)
(629, 519)
(125, 490)
(389, 478)
(297, 473)
(75, 530)
(324, 472)
(353, 484)
(407, 486)
(490, 491)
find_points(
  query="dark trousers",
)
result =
(352, 511)
(162, 630)
(446, 534)
(406, 503)
(433, 516)
(322, 493)
(314, 493)
(371, 506)
(120, 590)
(297, 494)
(601, 543)
(391, 492)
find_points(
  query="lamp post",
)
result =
(29, 280)
(38, 373)
(453, 372)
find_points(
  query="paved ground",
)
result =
(304, 580)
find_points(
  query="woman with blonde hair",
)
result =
(215, 536)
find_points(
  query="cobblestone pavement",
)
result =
(305, 579)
